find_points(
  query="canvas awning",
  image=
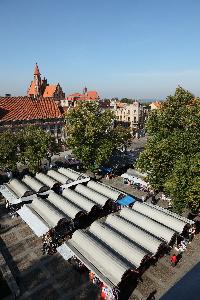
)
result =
(126, 200)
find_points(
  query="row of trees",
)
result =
(27, 146)
(172, 155)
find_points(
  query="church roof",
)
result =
(92, 95)
(25, 108)
(31, 89)
(50, 90)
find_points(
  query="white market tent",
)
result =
(91, 194)
(68, 208)
(81, 201)
(159, 216)
(168, 212)
(134, 179)
(35, 184)
(101, 188)
(58, 176)
(70, 173)
(131, 252)
(46, 211)
(136, 173)
(110, 268)
(134, 233)
(19, 189)
(47, 180)
(148, 224)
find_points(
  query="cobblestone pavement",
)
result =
(40, 277)
(160, 277)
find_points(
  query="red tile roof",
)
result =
(156, 103)
(91, 95)
(31, 89)
(50, 90)
(120, 104)
(25, 108)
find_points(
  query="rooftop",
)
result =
(26, 108)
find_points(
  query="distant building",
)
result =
(40, 87)
(155, 105)
(72, 99)
(19, 112)
(129, 115)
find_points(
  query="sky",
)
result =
(121, 48)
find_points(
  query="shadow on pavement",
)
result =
(186, 288)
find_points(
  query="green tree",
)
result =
(92, 135)
(172, 155)
(8, 150)
(34, 144)
(126, 100)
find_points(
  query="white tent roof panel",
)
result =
(104, 190)
(118, 243)
(134, 233)
(69, 173)
(47, 180)
(147, 224)
(19, 188)
(58, 176)
(159, 216)
(168, 212)
(71, 210)
(79, 200)
(103, 259)
(50, 215)
(91, 194)
(35, 184)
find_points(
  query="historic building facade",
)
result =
(40, 88)
(129, 115)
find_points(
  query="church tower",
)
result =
(37, 81)
(35, 88)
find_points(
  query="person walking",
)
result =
(173, 260)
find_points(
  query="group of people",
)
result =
(107, 293)
(136, 185)
(182, 243)
(56, 236)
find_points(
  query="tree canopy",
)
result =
(91, 134)
(127, 100)
(172, 155)
(27, 146)
(8, 150)
(34, 144)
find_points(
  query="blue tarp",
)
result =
(126, 200)
(106, 170)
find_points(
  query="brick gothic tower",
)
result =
(37, 81)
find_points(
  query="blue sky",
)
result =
(121, 48)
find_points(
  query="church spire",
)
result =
(37, 71)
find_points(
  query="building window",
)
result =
(134, 119)
(128, 119)
(134, 111)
